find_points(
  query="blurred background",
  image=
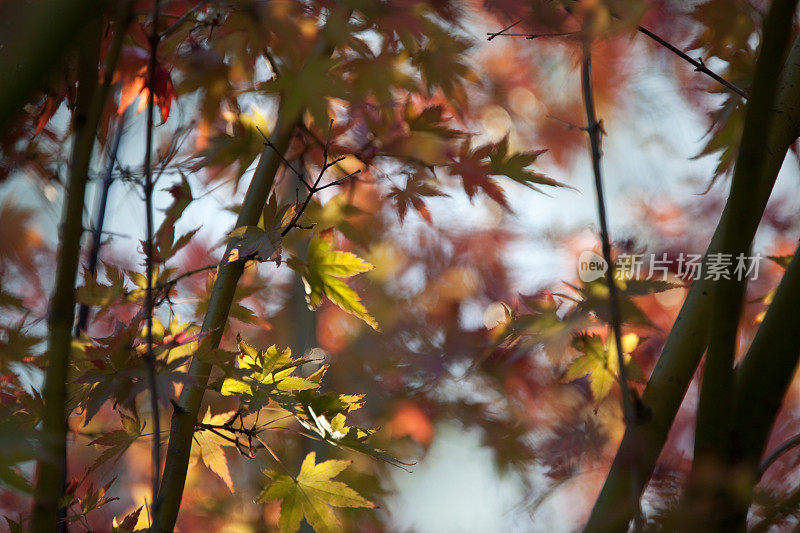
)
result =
(477, 295)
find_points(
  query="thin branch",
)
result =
(94, 250)
(174, 281)
(316, 187)
(594, 130)
(531, 36)
(503, 31)
(149, 359)
(296, 172)
(571, 126)
(272, 64)
(180, 20)
(698, 64)
(339, 181)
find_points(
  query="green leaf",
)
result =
(600, 362)
(261, 376)
(311, 495)
(322, 276)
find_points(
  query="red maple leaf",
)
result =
(132, 74)
(476, 171)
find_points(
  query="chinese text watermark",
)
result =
(686, 267)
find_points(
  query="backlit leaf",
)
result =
(311, 495)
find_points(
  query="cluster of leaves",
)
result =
(267, 380)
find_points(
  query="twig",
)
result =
(594, 131)
(571, 126)
(174, 281)
(316, 187)
(699, 64)
(501, 32)
(297, 173)
(180, 20)
(94, 250)
(531, 36)
(272, 64)
(149, 360)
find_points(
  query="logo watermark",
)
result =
(687, 267)
(591, 266)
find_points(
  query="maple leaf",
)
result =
(211, 443)
(266, 245)
(430, 119)
(442, 62)
(47, 110)
(262, 374)
(132, 73)
(475, 173)
(595, 298)
(308, 88)
(514, 166)
(94, 499)
(18, 240)
(117, 442)
(128, 523)
(601, 363)
(412, 195)
(311, 495)
(322, 276)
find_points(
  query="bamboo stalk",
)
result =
(52, 465)
(711, 481)
(714, 422)
(687, 339)
(187, 408)
(767, 370)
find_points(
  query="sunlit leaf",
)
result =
(323, 273)
(311, 495)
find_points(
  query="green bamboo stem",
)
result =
(762, 379)
(89, 106)
(187, 408)
(767, 370)
(687, 339)
(53, 440)
(714, 422)
(711, 481)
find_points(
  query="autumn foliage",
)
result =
(341, 253)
